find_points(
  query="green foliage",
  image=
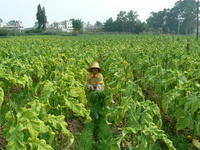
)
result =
(125, 22)
(181, 19)
(78, 109)
(104, 135)
(86, 139)
(42, 87)
(32, 123)
(77, 25)
(97, 104)
(9, 32)
(15, 138)
(41, 17)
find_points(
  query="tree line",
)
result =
(181, 19)
(125, 22)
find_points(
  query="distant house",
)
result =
(15, 25)
(63, 26)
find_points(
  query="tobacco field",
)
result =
(152, 92)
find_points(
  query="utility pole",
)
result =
(197, 20)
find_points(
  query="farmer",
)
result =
(95, 79)
(95, 84)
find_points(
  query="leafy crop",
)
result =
(148, 79)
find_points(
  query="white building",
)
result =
(17, 25)
(63, 26)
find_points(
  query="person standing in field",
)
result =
(95, 84)
(95, 79)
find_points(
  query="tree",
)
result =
(98, 26)
(172, 22)
(139, 27)
(132, 22)
(186, 11)
(41, 17)
(109, 25)
(121, 21)
(180, 19)
(157, 20)
(125, 22)
(77, 25)
(1, 20)
(44, 19)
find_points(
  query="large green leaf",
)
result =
(78, 108)
(15, 138)
(58, 123)
(39, 145)
(28, 120)
(78, 92)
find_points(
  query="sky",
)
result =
(86, 10)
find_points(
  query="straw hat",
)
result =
(95, 65)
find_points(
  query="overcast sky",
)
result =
(87, 10)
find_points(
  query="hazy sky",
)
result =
(87, 10)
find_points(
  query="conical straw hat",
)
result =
(94, 65)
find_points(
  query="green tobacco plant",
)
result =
(149, 80)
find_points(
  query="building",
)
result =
(65, 26)
(17, 25)
(12, 25)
